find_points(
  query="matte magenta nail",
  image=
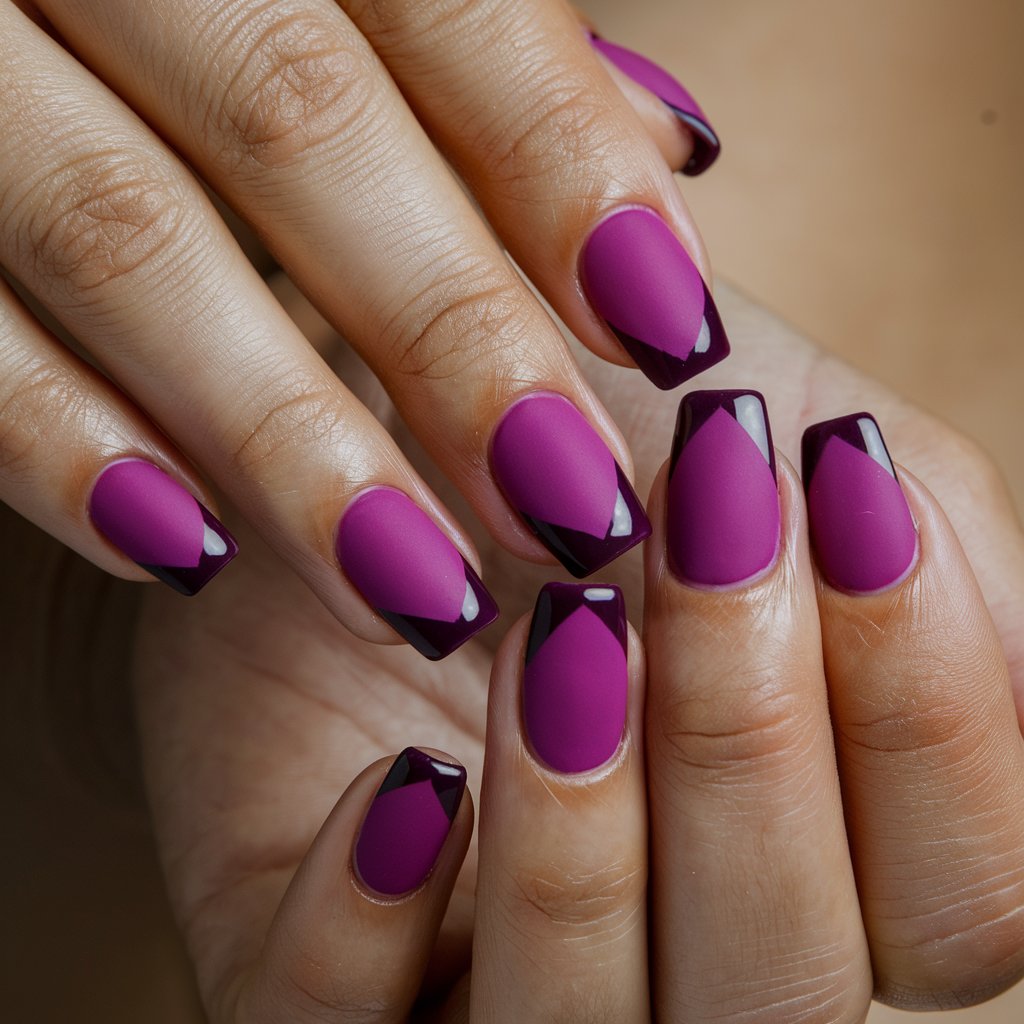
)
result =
(576, 678)
(406, 825)
(560, 476)
(642, 282)
(411, 573)
(861, 527)
(159, 524)
(722, 524)
(706, 145)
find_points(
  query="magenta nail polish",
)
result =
(159, 524)
(560, 476)
(410, 572)
(575, 679)
(861, 527)
(642, 282)
(406, 825)
(722, 525)
(706, 145)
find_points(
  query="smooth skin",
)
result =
(785, 879)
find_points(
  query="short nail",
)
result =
(644, 72)
(642, 282)
(560, 476)
(722, 525)
(406, 825)
(861, 527)
(410, 572)
(575, 679)
(159, 524)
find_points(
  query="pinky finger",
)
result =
(354, 932)
(79, 460)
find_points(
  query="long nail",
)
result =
(560, 476)
(706, 145)
(406, 825)
(642, 282)
(575, 678)
(723, 500)
(861, 527)
(160, 525)
(411, 573)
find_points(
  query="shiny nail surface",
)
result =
(861, 527)
(722, 525)
(643, 283)
(406, 825)
(575, 679)
(560, 476)
(706, 145)
(410, 572)
(159, 525)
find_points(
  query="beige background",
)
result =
(870, 191)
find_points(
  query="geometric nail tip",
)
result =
(189, 580)
(414, 766)
(746, 407)
(557, 602)
(854, 429)
(706, 145)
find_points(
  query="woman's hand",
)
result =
(327, 127)
(770, 895)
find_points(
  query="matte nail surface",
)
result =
(706, 145)
(411, 573)
(159, 525)
(861, 527)
(722, 524)
(408, 822)
(560, 476)
(641, 280)
(575, 679)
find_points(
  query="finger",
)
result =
(115, 236)
(288, 112)
(562, 167)
(100, 478)
(560, 931)
(930, 753)
(352, 936)
(754, 903)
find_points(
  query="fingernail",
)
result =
(560, 476)
(642, 282)
(159, 525)
(861, 527)
(723, 501)
(706, 145)
(411, 573)
(408, 822)
(575, 678)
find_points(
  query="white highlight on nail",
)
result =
(599, 594)
(213, 543)
(622, 521)
(875, 445)
(470, 605)
(750, 417)
(704, 338)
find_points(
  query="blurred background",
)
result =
(869, 191)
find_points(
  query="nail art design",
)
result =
(723, 501)
(408, 822)
(410, 572)
(560, 476)
(861, 527)
(641, 280)
(159, 525)
(706, 145)
(575, 679)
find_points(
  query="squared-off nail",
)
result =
(406, 825)
(722, 524)
(560, 476)
(160, 525)
(643, 283)
(576, 677)
(861, 527)
(411, 573)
